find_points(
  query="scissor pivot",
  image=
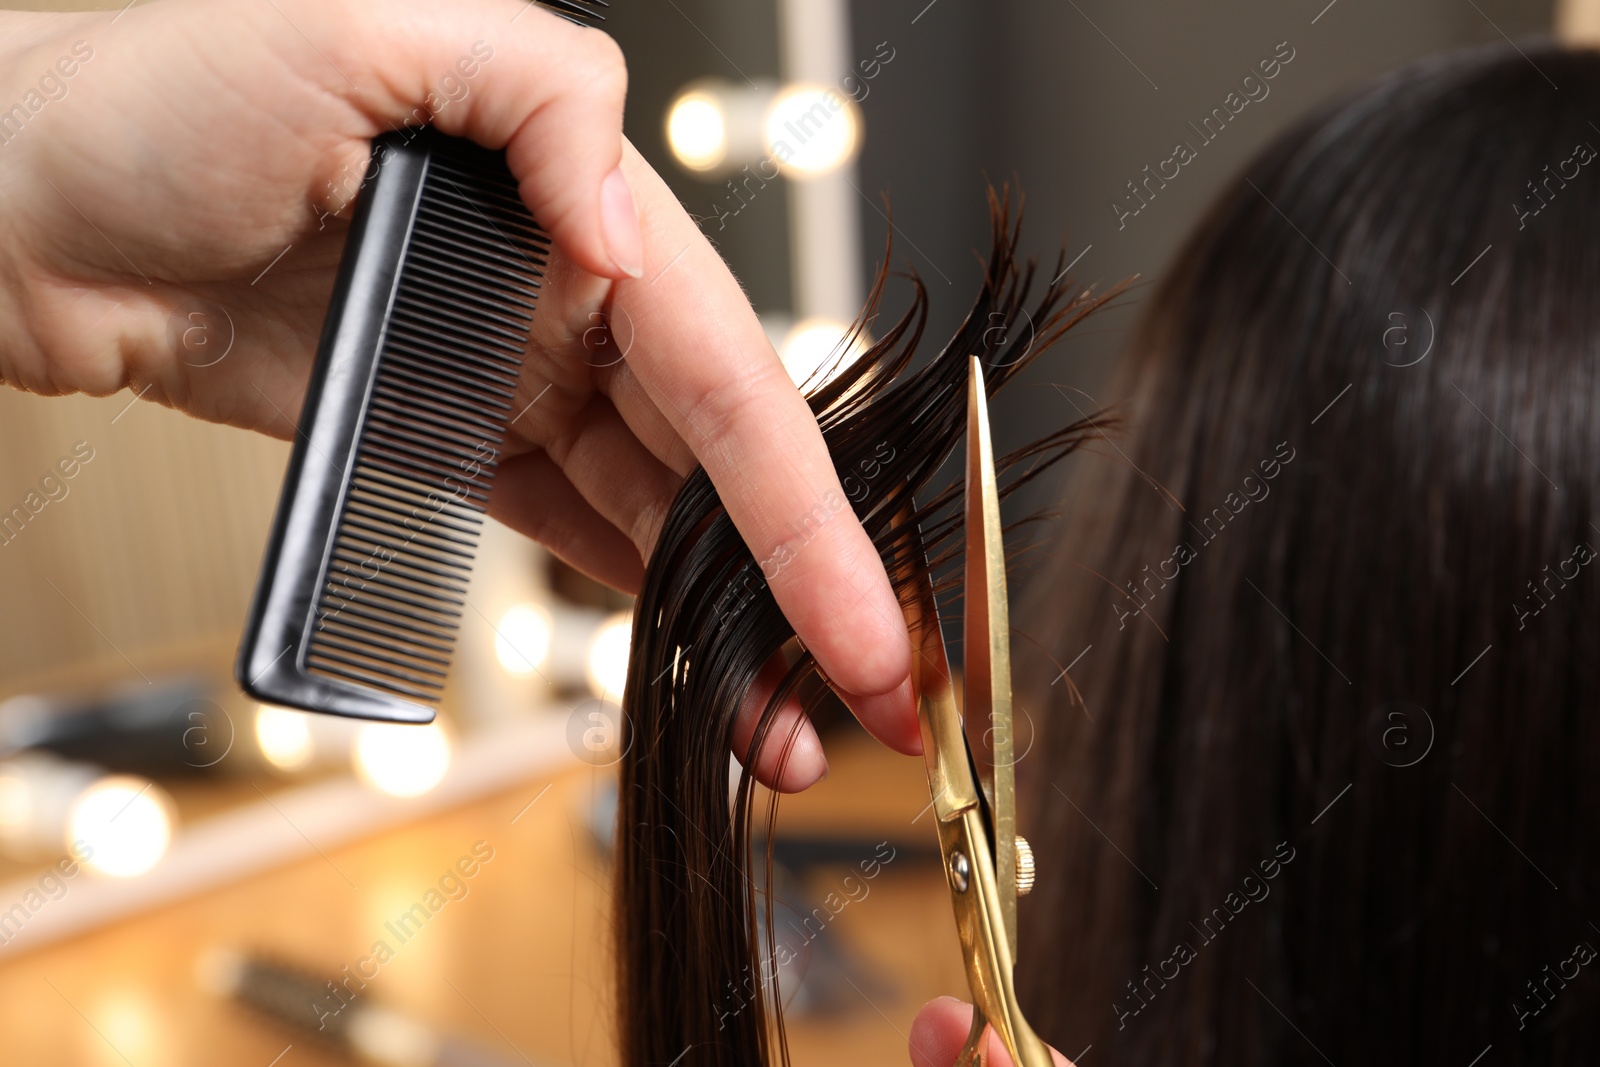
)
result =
(1025, 869)
(960, 870)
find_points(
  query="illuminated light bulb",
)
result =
(126, 1021)
(811, 130)
(608, 656)
(403, 761)
(814, 350)
(124, 823)
(16, 806)
(284, 737)
(386, 1036)
(522, 640)
(697, 130)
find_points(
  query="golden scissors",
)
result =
(986, 865)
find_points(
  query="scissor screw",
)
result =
(1025, 868)
(959, 870)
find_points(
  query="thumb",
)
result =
(506, 74)
(940, 1031)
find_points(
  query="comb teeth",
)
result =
(396, 577)
(577, 10)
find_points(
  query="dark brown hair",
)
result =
(693, 978)
(1332, 796)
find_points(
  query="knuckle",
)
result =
(556, 206)
(715, 415)
(560, 441)
(646, 526)
(600, 75)
(609, 67)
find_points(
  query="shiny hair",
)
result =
(690, 929)
(1332, 795)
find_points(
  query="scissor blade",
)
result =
(987, 645)
(952, 785)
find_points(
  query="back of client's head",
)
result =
(1333, 792)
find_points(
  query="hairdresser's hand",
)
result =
(940, 1031)
(174, 181)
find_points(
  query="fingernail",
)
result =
(619, 223)
(890, 717)
(806, 778)
(806, 763)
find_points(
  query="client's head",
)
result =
(1332, 794)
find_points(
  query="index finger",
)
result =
(701, 355)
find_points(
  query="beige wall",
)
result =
(1578, 21)
(156, 542)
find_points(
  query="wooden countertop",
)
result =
(520, 962)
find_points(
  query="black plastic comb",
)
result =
(579, 11)
(363, 586)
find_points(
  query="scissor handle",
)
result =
(970, 1055)
(980, 926)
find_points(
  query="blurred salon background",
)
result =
(175, 859)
